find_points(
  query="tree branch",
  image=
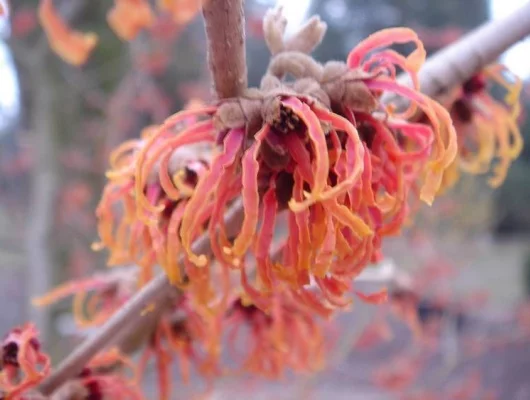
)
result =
(225, 32)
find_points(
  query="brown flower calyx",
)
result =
(327, 85)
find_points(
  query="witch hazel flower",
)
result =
(187, 337)
(23, 365)
(72, 46)
(313, 145)
(96, 298)
(267, 344)
(181, 333)
(487, 125)
(126, 229)
(109, 375)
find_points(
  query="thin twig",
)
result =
(225, 30)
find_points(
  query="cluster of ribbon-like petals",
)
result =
(109, 375)
(322, 169)
(22, 365)
(489, 138)
(126, 222)
(96, 298)
(187, 334)
(268, 343)
(337, 177)
(179, 332)
(283, 334)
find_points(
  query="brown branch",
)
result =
(225, 30)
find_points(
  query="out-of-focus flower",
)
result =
(488, 134)
(154, 62)
(255, 25)
(189, 336)
(164, 29)
(128, 17)
(109, 375)
(72, 46)
(399, 374)
(122, 223)
(523, 318)
(95, 299)
(268, 344)
(375, 333)
(22, 365)
(182, 11)
(74, 200)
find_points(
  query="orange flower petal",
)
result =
(250, 195)
(72, 46)
(128, 17)
(182, 11)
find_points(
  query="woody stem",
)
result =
(225, 30)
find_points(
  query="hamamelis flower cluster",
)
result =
(320, 154)
(127, 237)
(485, 112)
(109, 375)
(235, 337)
(24, 365)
